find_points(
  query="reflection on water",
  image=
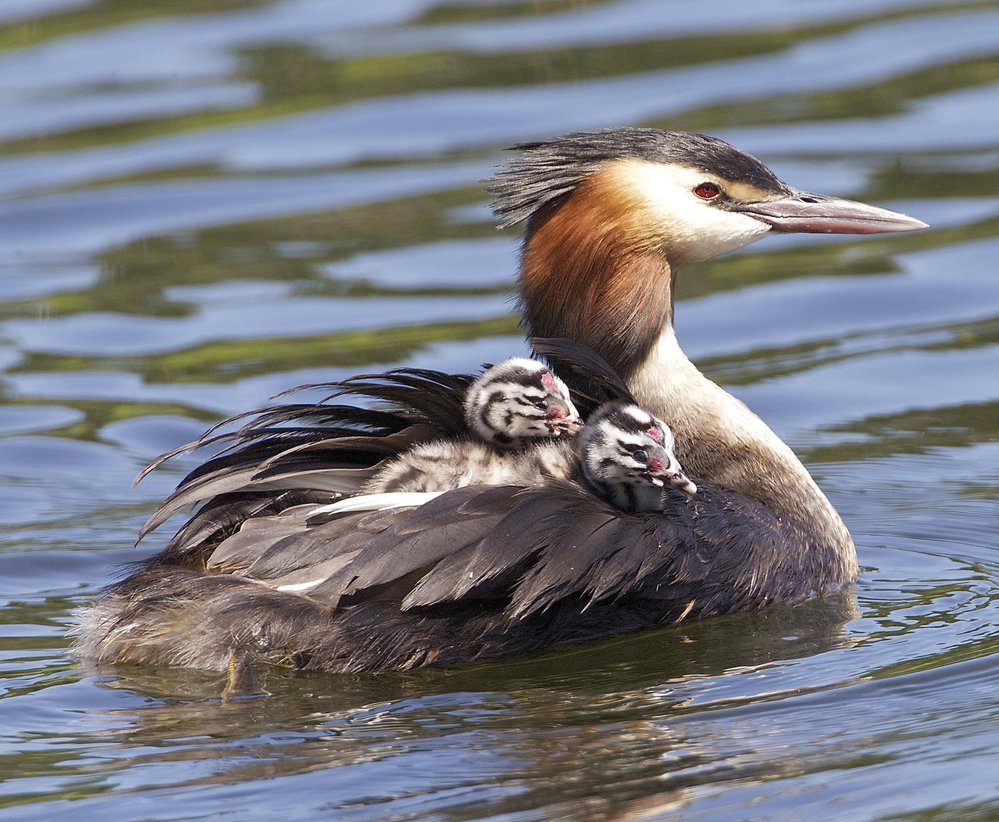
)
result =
(553, 714)
(201, 208)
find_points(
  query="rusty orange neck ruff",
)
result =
(591, 272)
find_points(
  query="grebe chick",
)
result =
(627, 456)
(518, 401)
(513, 410)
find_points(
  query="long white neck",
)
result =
(719, 439)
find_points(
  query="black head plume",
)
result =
(547, 171)
(591, 379)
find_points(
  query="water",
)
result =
(202, 209)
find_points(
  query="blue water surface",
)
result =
(204, 204)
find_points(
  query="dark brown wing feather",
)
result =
(221, 517)
(274, 549)
(486, 569)
(315, 447)
(591, 379)
(417, 540)
(536, 547)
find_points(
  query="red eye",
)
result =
(707, 191)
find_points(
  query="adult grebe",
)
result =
(487, 570)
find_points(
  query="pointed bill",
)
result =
(804, 213)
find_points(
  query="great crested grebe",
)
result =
(486, 570)
(517, 401)
(627, 455)
(512, 406)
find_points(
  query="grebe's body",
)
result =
(485, 570)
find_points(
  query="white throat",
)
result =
(670, 386)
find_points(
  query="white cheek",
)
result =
(713, 231)
(693, 228)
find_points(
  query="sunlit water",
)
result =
(200, 210)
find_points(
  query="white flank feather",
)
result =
(377, 502)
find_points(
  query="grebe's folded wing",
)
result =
(530, 549)
(417, 540)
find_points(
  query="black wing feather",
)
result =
(587, 374)
(485, 568)
(302, 445)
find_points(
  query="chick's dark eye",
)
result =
(707, 191)
(639, 455)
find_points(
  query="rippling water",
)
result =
(201, 209)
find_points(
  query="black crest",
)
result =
(547, 171)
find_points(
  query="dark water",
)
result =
(206, 203)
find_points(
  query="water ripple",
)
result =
(203, 209)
